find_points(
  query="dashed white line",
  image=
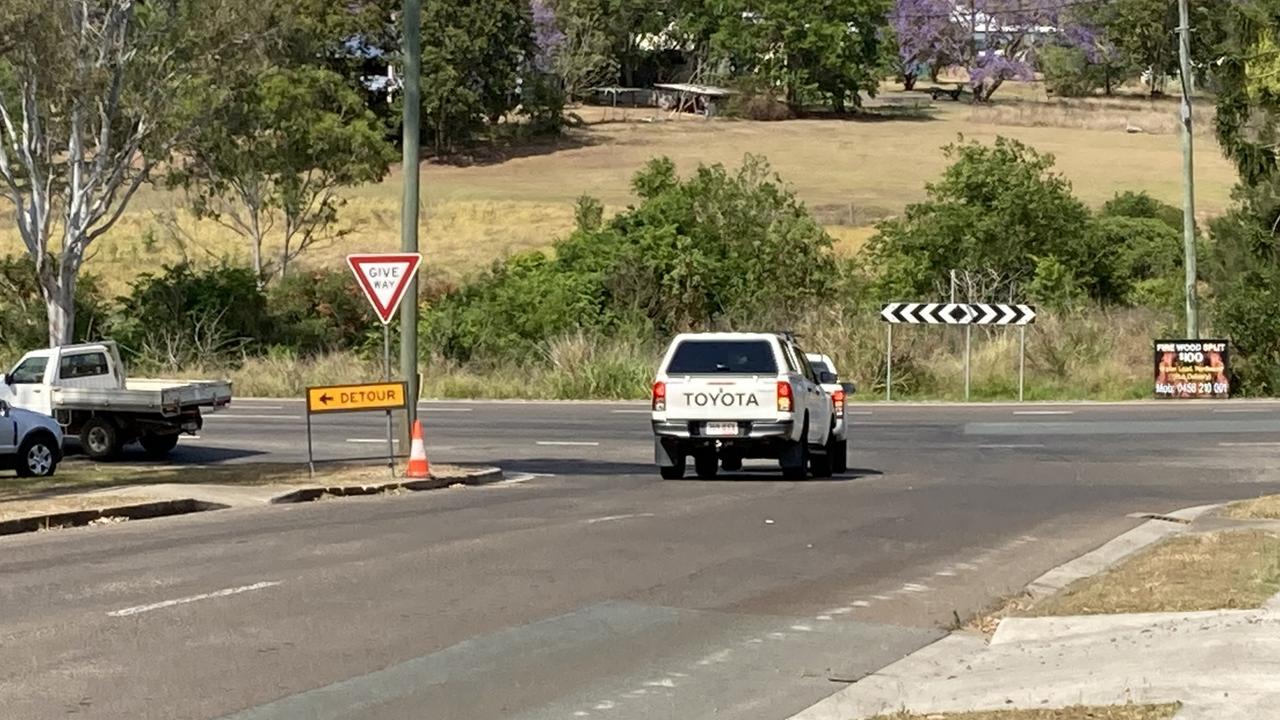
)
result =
(914, 588)
(572, 443)
(860, 603)
(858, 412)
(945, 573)
(227, 592)
(610, 518)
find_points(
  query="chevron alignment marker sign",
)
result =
(957, 314)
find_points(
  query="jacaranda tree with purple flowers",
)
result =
(929, 38)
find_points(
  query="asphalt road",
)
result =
(587, 587)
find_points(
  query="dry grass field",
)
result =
(852, 172)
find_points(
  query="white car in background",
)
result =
(30, 443)
(723, 397)
(839, 392)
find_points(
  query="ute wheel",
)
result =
(798, 454)
(158, 446)
(840, 460)
(37, 457)
(731, 463)
(673, 472)
(706, 464)
(100, 439)
(821, 464)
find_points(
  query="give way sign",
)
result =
(384, 278)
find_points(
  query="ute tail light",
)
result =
(784, 397)
(837, 398)
(659, 396)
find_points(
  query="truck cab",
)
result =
(723, 397)
(31, 382)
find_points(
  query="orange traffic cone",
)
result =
(418, 465)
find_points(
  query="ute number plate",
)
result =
(721, 429)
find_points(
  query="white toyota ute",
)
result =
(839, 392)
(723, 397)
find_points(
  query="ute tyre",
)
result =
(37, 457)
(100, 439)
(840, 460)
(731, 463)
(158, 446)
(820, 464)
(706, 465)
(673, 472)
(798, 471)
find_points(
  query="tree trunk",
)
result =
(908, 81)
(60, 308)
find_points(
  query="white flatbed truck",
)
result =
(85, 389)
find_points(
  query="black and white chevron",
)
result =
(957, 314)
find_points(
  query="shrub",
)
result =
(23, 322)
(1068, 72)
(705, 252)
(1140, 205)
(319, 310)
(996, 209)
(185, 316)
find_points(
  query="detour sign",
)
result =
(355, 398)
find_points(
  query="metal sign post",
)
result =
(386, 375)
(888, 364)
(957, 314)
(1022, 358)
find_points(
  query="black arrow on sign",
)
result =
(325, 398)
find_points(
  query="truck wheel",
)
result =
(731, 463)
(673, 472)
(37, 457)
(100, 439)
(706, 464)
(840, 461)
(795, 459)
(158, 446)
(821, 464)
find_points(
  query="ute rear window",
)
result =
(742, 357)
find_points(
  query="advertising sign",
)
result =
(1192, 369)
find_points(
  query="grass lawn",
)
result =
(1264, 508)
(851, 172)
(1119, 712)
(1225, 570)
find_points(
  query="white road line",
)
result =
(1010, 447)
(227, 592)
(858, 412)
(231, 416)
(610, 518)
(1044, 412)
(860, 603)
(574, 443)
(1249, 444)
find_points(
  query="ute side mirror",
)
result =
(849, 388)
(826, 377)
(4, 409)
(8, 378)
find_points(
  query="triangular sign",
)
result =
(384, 278)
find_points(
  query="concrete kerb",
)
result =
(473, 476)
(79, 518)
(881, 692)
(186, 505)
